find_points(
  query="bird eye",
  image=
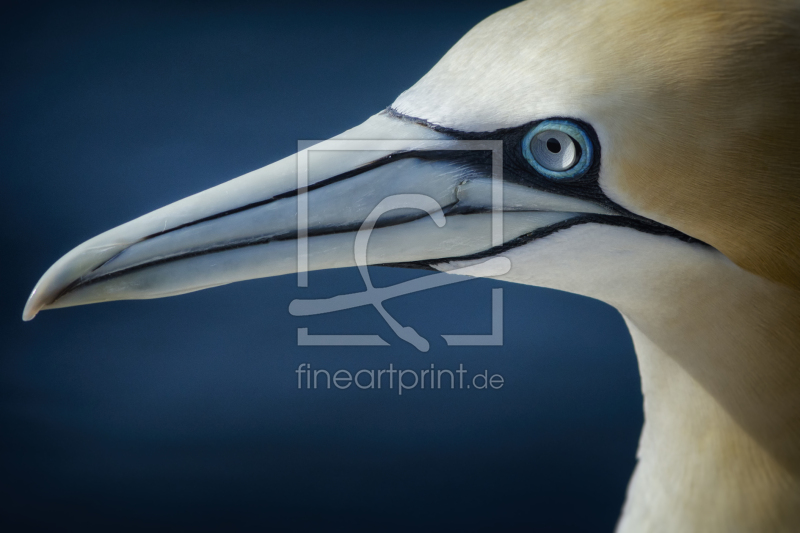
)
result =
(558, 149)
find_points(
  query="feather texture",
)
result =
(696, 103)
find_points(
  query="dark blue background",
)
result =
(183, 413)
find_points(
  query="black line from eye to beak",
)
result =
(430, 155)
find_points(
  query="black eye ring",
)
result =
(558, 149)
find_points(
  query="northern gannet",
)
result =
(650, 160)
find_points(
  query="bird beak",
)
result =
(434, 200)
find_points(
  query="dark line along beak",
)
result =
(247, 228)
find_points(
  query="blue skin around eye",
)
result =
(576, 133)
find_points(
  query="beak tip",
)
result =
(32, 306)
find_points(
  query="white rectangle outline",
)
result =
(304, 147)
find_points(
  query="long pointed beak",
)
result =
(248, 227)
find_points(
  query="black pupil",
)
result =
(553, 145)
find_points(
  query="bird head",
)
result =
(621, 129)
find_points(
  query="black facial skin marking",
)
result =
(516, 169)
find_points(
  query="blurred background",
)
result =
(183, 414)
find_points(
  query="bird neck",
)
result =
(719, 355)
(698, 469)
